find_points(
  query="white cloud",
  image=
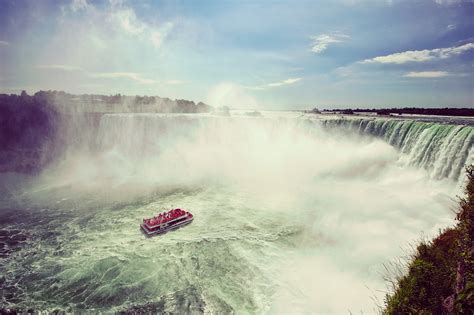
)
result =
(426, 74)
(127, 75)
(78, 5)
(174, 82)
(134, 76)
(321, 42)
(158, 36)
(451, 27)
(231, 95)
(284, 82)
(448, 2)
(4, 43)
(127, 20)
(60, 67)
(116, 3)
(275, 84)
(421, 55)
(392, 2)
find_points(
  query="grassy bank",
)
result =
(440, 278)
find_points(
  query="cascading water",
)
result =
(288, 216)
(442, 149)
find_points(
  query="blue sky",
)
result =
(264, 54)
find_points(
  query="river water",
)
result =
(290, 215)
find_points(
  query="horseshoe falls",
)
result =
(293, 213)
(442, 149)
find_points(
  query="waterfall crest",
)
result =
(442, 149)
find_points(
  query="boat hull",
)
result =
(151, 232)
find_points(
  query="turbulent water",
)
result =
(292, 214)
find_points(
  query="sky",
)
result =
(271, 54)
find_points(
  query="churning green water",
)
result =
(288, 218)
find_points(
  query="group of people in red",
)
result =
(165, 217)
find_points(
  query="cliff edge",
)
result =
(440, 278)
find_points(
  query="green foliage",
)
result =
(429, 279)
(465, 299)
(26, 121)
(464, 302)
(440, 268)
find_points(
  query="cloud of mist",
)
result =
(231, 95)
(354, 205)
(358, 224)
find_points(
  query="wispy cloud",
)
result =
(127, 75)
(275, 84)
(449, 2)
(157, 36)
(60, 67)
(78, 5)
(321, 42)
(426, 74)
(127, 20)
(284, 82)
(174, 82)
(122, 18)
(421, 55)
(451, 27)
(4, 43)
(133, 76)
(394, 2)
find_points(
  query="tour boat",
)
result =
(166, 221)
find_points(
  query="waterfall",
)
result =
(444, 150)
(142, 135)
